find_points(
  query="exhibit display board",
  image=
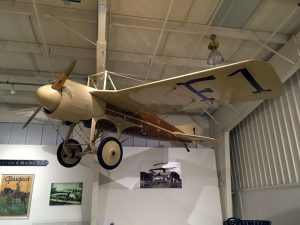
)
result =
(25, 184)
(121, 200)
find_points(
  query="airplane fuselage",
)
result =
(75, 103)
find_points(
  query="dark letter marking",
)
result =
(188, 85)
(251, 80)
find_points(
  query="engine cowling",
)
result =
(73, 103)
(48, 97)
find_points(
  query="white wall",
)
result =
(121, 201)
(279, 205)
(40, 211)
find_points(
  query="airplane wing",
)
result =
(203, 140)
(243, 81)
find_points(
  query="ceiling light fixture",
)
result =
(215, 57)
(12, 90)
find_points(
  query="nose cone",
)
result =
(48, 97)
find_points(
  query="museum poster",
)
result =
(160, 175)
(66, 193)
(15, 195)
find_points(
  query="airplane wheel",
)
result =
(68, 156)
(110, 153)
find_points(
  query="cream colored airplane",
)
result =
(133, 110)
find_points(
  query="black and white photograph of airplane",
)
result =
(160, 175)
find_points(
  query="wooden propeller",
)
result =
(57, 85)
(32, 116)
(59, 82)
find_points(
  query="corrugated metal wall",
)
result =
(265, 146)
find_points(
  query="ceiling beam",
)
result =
(204, 33)
(19, 94)
(42, 35)
(72, 29)
(163, 60)
(195, 29)
(22, 8)
(35, 48)
(15, 75)
(57, 50)
(116, 20)
(159, 40)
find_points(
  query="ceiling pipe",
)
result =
(159, 39)
(195, 29)
(21, 83)
(71, 29)
(274, 33)
(275, 52)
(42, 36)
(259, 40)
(227, 12)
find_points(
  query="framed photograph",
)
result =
(66, 193)
(160, 175)
(15, 195)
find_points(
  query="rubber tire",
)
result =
(60, 158)
(233, 221)
(100, 150)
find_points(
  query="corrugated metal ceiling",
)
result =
(133, 33)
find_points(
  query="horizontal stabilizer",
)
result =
(202, 140)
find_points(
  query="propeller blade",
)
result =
(59, 82)
(32, 116)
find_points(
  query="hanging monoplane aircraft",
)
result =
(133, 110)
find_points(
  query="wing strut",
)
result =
(186, 147)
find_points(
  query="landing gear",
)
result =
(69, 154)
(110, 153)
